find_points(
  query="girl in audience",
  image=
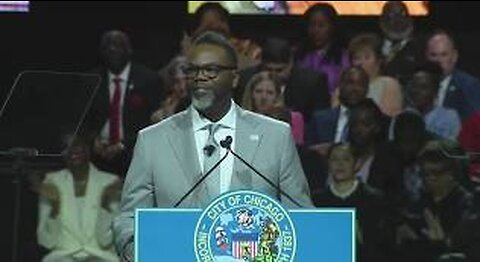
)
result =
(346, 190)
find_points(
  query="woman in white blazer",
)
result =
(76, 208)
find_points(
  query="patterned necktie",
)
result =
(114, 118)
(210, 157)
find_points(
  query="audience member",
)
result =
(469, 139)
(458, 90)
(409, 137)
(76, 208)
(399, 48)
(263, 95)
(303, 90)
(422, 93)
(376, 165)
(127, 96)
(214, 17)
(346, 190)
(175, 88)
(323, 51)
(438, 222)
(365, 50)
(331, 125)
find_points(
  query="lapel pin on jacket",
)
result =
(254, 137)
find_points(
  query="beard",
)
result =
(202, 99)
(397, 33)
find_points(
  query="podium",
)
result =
(245, 226)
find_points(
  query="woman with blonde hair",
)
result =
(365, 51)
(264, 95)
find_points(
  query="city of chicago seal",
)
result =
(245, 226)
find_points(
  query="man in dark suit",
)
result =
(304, 91)
(458, 90)
(128, 94)
(331, 125)
(400, 48)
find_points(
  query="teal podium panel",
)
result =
(224, 232)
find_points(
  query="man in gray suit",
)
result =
(172, 155)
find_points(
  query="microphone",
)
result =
(209, 151)
(227, 142)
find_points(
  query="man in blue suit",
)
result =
(328, 126)
(458, 90)
(331, 125)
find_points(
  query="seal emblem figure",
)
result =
(245, 226)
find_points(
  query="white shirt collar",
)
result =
(345, 194)
(389, 44)
(446, 81)
(227, 121)
(442, 91)
(123, 75)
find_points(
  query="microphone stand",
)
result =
(201, 180)
(227, 145)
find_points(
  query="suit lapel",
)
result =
(335, 119)
(182, 141)
(70, 210)
(247, 139)
(91, 195)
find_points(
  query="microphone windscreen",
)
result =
(208, 150)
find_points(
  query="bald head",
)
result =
(395, 21)
(116, 50)
(441, 49)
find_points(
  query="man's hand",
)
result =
(105, 150)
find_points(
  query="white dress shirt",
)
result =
(442, 91)
(389, 46)
(105, 134)
(341, 124)
(227, 128)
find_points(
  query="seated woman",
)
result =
(446, 218)
(76, 208)
(264, 95)
(346, 190)
(365, 51)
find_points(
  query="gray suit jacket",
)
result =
(165, 166)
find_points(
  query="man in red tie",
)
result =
(128, 94)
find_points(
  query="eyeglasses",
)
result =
(210, 71)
